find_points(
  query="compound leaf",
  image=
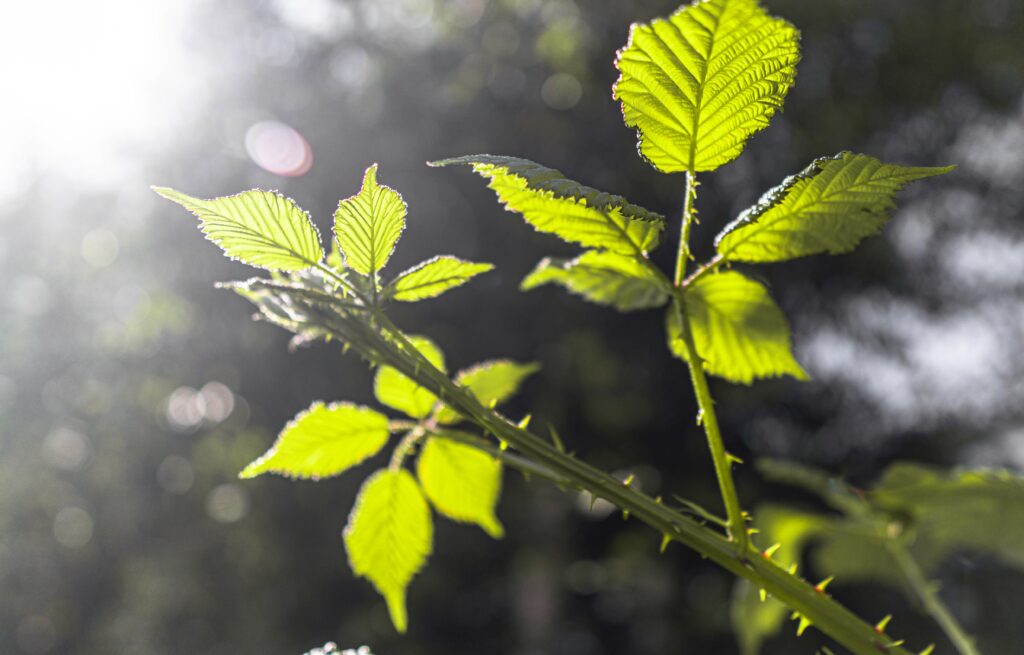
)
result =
(554, 204)
(603, 277)
(389, 536)
(491, 382)
(368, 225)
(395, 390)
(828, 207)
(462, 482)
(433, 277)
(260, 228)
(322, 441)
(698, 84)
(739, 331)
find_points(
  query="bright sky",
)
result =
(88, 83)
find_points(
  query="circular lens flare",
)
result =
(279, 149)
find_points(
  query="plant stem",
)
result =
(723, 466)
(391, 348)
(929, 597)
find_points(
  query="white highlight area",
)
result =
(88, 84)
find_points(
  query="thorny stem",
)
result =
(928, 595)
(388, 346)
(723, 465)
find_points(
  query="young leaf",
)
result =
(368, 224)
(433, 277)
(698, 84)
(399, 392)
(740, 333)
(491, 382)
(462, 483)
(603, 277)
(322, 441)
(260, 228)
(828, 207)
(389, 536)
(556, 205)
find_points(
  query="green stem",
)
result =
(925, 591)
(723, 465)
(826, 614)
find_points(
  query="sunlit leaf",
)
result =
(698, 84)
(556, 205)
(322, 441)
(491, 382)
(739, 331)
(462, 482)
(389, 536)
(368, 225)
(399, 392)
(603, 277)
(433, 277)
(260, 228)
(828, 207)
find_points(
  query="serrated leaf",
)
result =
(433, 277)
(492, 383)
(739, 331)
(395, 390)
(554, 204)
(755, 620)
(369, 224)
(828, 207)
(389, 537)
(260, 228)
(602, 277)
(322, 441)
(698, 84)
(462, 482)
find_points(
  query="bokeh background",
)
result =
(132, 392)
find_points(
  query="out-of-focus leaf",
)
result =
(399, 392)
(603, 277)
(491, 382)
(462, 482)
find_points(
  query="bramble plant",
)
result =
(696, 86)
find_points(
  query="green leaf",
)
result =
(603, 277)
(399, 392)
(828, 207)
(260, 228)
(433, 277)
(739, 331)
(322, 441)
(389, 536)
(554, 204)
(462, 482)
(698, 84)
(368, 225)
(755, 620)
(492, 383)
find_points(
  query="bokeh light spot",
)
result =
(175, 475)
(65, 448)
(279, 149)
(227, 503)
(100, 248)
(561, 91)
(72, 527)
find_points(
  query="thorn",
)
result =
(625, 515)
(700, 417)
(794, 616)
(820, 587)
(629, 480)
(897, 643)
(525, 423)
(733, 458)
(763, 594)
(657, 500)
(881, 625)
(502, 445)
(929, 650)
(771, 550)
(792, 568)
(665, 541)
(804, 624)
(753, 531)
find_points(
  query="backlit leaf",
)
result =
(492, 383)
(554, 204)
(368, 225)
(260, 228)
(698, 84)
(462, 482)
(829, 207)
(739, 331)
(603, 277)
(322, 441)
(399, 392)
(433, 277)
(389, 536)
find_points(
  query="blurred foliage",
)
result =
(132, 392)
